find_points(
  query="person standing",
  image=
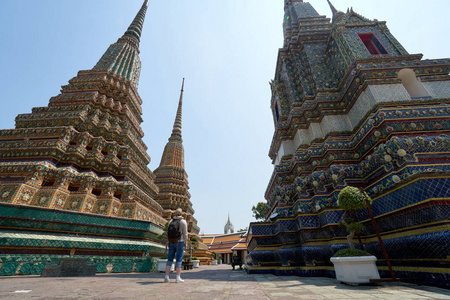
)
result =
(178, 235)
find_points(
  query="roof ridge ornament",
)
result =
(337, 14)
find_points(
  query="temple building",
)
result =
(227, 245)
(352, 107)
(74, 179)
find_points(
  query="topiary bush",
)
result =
(351, 199)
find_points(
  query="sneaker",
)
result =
(166, 280)
(179, 280)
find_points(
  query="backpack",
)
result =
(173, 231)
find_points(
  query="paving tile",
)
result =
(207, 282)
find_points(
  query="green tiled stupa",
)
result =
(74, 179)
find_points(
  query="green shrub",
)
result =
(347, 252)
(351, 198)
(355, 227)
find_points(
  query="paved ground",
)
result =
(206, 282)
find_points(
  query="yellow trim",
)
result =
(380, 216)
(421, 177)
(409, 231)
(412, 205)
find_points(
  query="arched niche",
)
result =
(413, 86)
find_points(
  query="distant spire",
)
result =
(173, 155)
(176, 131)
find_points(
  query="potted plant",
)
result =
(195, 262)
(353, 266)
(161, 266)
(213, 258)
(194, 242)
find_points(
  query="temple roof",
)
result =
(226, 243)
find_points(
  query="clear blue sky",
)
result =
(226, 50)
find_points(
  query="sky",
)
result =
(226, 50)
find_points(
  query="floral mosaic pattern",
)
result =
(74, 203)
(7, 193)
(25, 196)
(89, 206)
(43, 198)
(102, 207)
(60, 200)
(127, 210)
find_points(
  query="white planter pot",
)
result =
(214, 262)
(161, 267)
(196, 263)
(355, 269)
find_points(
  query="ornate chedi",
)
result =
(79, 166)
(228, 228)
(171, 177)
(352, 107)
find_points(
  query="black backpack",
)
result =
(173, 232)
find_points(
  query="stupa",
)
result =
(74, 179)
(352, 107)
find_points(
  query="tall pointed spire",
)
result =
(171, 177)
(176, 131)
(173, 155)
(122, 57)
(135, 29)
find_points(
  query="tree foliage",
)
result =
(258, 210)
(163, 236)
(351, 199)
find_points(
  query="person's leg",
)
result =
(180, 252)
(170, 257)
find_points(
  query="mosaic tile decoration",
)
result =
(15, 239)
(34, 264)
(13, 216)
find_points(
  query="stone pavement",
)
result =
(206, 282)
